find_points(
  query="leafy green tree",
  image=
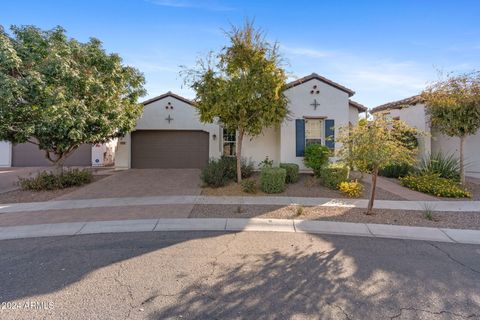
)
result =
(58, 93)
(371, 146)
(453, 107)
(242, 86)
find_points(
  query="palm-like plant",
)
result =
(446, 166)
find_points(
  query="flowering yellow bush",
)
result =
(353, 189)
(435, 185)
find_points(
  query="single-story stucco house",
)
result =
(28, 155)
(412, 111)
(170, 135)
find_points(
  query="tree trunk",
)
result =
(239, 155)
(372, 191)
(462, 169)
(59, 165)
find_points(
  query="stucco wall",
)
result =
(353, 115)
(451, 145)
(185, 117)
(415, 116)
(333, 105)
(433, 141)
(5, 154)
(259, 147)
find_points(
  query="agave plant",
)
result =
(446, 166)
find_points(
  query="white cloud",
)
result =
(211, 5)
(307, 52)
(376, 80)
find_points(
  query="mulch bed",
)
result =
(17, 196)
(307, 186)
(456, 220)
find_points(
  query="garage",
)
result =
(169, 149)
(28, 155)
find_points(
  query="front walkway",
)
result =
(456, 206)
(397, 189)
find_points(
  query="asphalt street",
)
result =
(254, 275)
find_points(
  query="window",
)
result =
(229, 142)
(313, 131)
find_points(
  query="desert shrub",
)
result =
(215, 174)
(249, 186)
(266, 163)
(292, 172)
(396, 170)
(445, 166)
(333, 174)
(316, 157)
(433, 184)
(230, 166)
(272, 180)
(352, 189)
(51, 181)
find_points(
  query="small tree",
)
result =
(242, 86)
(371, 146)
(453, 106)
(58, 93)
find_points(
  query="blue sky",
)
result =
(383, 50)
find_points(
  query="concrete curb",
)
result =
(455, 206)
(270, 225)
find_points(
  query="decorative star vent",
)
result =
(315, 104)
(169, 105)
(314, 90)
(169, 118)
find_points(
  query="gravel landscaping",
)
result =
(456, 220)
(17, 196)
(307, 186)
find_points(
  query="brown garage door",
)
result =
(28, 155)
(169, 149)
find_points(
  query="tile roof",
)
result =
(169, 94)
(320, 78)
(399, 104)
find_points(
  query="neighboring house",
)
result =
(170, 135)
(412, 111)
(28, 155)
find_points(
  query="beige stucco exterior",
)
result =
(278, 143)
(433, 141)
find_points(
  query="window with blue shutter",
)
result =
(330, 133)
(300, 137)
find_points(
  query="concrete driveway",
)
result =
(141, 183)
(9, 176)
(255, 275)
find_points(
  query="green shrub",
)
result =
(266, 163)
(315, 157)
(218, 172)
(435, 185)
(445, 166)
(51, 181)
(333, 174)
(215, 174)
(230, 166)
(352, 189)
(249, 186)
(396, 170)
(272, 180)
(292, 172)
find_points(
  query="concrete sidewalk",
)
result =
(455, 206)
(272, 225)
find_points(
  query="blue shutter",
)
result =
(330, 133)
(300, 137)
